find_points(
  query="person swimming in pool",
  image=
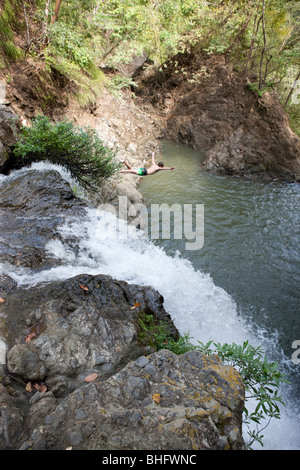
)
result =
(154, 168)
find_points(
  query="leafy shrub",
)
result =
(80, 150)
(70, 44)
(261, 379)
(121, 81)
(156, 333)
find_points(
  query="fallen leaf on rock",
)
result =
(40, 387)
(83, 287)
(91, 378)
(136, 304)
(28, 387)
(2, 300)
(30, 336)
(156, 397)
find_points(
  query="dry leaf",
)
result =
(28, 387)
(156, 397)
(2, 300)
(91, 378)
(37, 386)
(30, 336)
(83, 287)
(136, 304)
(40, 387)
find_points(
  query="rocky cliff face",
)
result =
(202, 102)
(75, 372)
(9, 121)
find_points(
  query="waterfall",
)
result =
(106, 245)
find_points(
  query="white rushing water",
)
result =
(107, 245)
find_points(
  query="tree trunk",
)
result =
(254, 34)
(27, 27)
(239, 35)
(261, 83)
(45, 24)
(56, 11)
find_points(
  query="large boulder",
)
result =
(62, 333)
(158, 402)
(32, 205)
(72, 328)
(261, 144)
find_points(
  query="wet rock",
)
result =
(12, 416)
(32, 205)
(60, 333)
(120, 412)
(79, 326)
(56, 334)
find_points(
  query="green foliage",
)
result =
(261, 379)
(78, 149)
(260, 37)
(69, 43)
(255, 89)
(118, 82)
(86, 84)
(294, 113)
(157, 335)
(8, 25)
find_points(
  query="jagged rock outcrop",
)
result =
(32, 205)
(160, 402)
(204, 103)
(76, 327)
(9, 124)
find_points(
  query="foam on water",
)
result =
(107, 245)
